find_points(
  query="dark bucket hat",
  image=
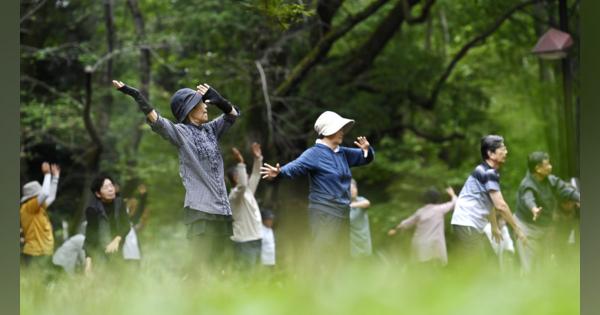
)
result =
(183, 101)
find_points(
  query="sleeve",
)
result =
(300, 166)
(52, 193)
(446, 207)
(490, 179)
(528, 199)
(564, 190)
(91, 217)
(410, 221)
(168, 130)
(41, 197)
(242, 182)
(220, 124)
(255, 175)
(356, 157)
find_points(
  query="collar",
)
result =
(320, 141)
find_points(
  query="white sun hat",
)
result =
(30, 190)
(329, 123)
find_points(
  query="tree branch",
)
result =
(87, 119)
(322, 48)
(32, 11)
(51, 89)
(430, 103)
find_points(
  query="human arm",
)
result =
(164, 127)
(143, 104)
(446, 207)
(255, 174)
(55, 171)
(362, 203)
(528, 199)
(123, 227)
(495, 229)
(564, 190)
(364, 154)
(504, 211)
(301, 166)
(41, 197)
(405, 224)
(241, 175)
(210, 96)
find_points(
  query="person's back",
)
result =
(37, 230)
(35, 223)
(247, 224)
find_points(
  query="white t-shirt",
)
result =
(474, 203)
(267, 255)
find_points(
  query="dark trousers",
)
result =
(330, 237)
(472, 244)
(210, 241)
(247, 254)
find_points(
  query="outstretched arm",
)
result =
(364, 154)
(255, 175)
(55, 170)
(143, 104)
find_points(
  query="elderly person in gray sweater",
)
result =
(207, 211)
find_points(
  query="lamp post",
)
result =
(553, 45)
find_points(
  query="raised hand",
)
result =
(143, 104)
(55, 170)
(45, 168)
(362, 143)
(237, 155)
(536, 212)
(270, 172)
(211, 96)
(256, 150)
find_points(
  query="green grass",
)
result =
(384, 285)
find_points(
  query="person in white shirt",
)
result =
(267, 257)
(246, 214)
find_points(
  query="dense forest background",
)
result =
(424, 80)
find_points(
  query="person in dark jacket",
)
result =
(538, 200)
(328, 165)
(107, 222)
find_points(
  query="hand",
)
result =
(45, 168)
(536, 212)
(521, 236)
(256, 150)
(211, 96)
(392, 232)
(118, 84)
(497, 235)
(55, 170)
(269, 172)
(135, 93)
(362, 143)
(113, 246)
(237, 155)
(450, 191)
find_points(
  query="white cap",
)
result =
(329, 123)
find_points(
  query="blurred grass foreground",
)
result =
(168, 282)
